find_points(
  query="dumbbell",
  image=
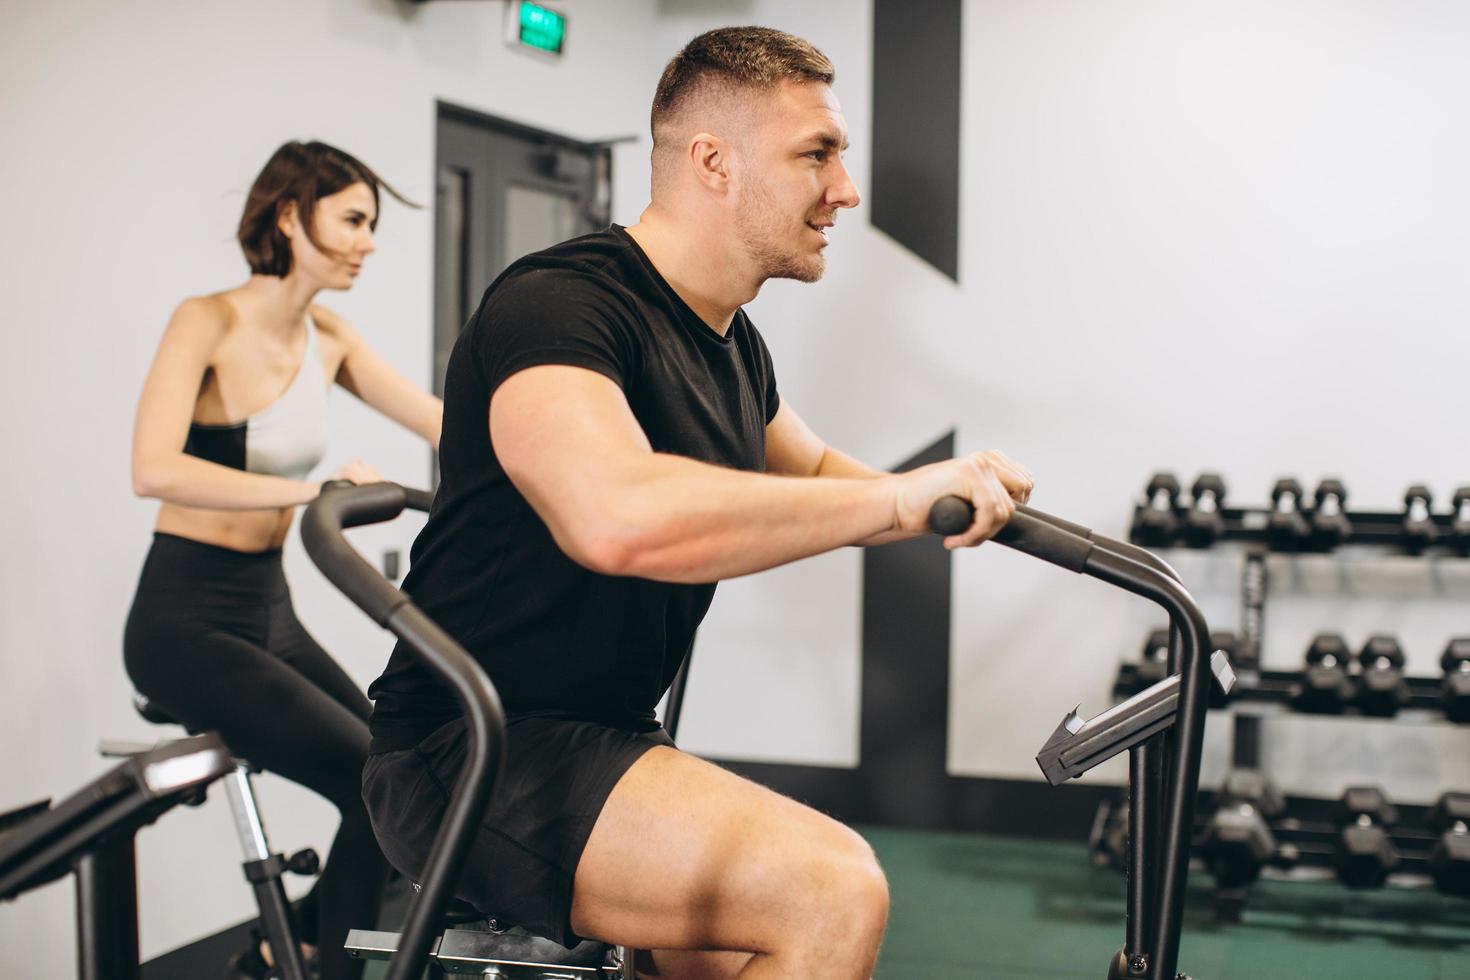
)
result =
(1325, 687)
(1204, 523)
(1366, 855)
(1286, 529)
(1153, 659)
(1449, 860)
(1460, 525)
(1381, 687)
(1419, 529)
(1108, 840)
(1157, 524)
(1153, 663)
(1329, 521)
(1455, 691)
(1238, 842)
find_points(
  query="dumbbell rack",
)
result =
(1307, 839)
(1250, 526)
(1308, 832)
(1279, 688)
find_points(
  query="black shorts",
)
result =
(557, 776)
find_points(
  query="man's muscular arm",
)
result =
(570, 444)
(792, 448)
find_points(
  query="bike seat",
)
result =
(152, 712)
(516, 945)
(471, 935)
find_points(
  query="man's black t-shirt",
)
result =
(556, 638)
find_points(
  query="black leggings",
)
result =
(212, 640)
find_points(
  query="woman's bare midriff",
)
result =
(238, 530)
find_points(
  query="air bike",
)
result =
(429, 937)
(1162, 727)
(90, 834)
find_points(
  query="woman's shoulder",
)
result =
(208, 318)
(331, 324)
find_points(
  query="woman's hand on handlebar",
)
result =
(353, 471)
(356, 471)
(992, 482)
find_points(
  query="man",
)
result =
(613, 445)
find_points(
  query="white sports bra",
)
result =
(286, 438)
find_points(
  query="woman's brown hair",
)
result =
(300, 174)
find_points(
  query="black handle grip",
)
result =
(347, 506)
(355, 504)
(413, 498)
(1030, 531)
(417, 499)
(951, 515)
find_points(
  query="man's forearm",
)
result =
(686, 521)
(839, 465)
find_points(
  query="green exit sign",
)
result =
(530, 25)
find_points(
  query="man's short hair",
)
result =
(741, 57)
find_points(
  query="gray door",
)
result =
(503, 190)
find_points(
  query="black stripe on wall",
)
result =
(901, 778)
(916, 127)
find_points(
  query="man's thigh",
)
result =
(688, 856)
(519, 867)
(689, 964)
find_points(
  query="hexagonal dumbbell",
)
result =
(1366, 855)
(1204, 523)
(1381, 687)
(1455, 690)
(1449, 861)
(1238, 841)
(1419, 529)
(1330, 526)
(1251, 786)
(1286, 529)
(1108, 840)
(1157, 524)
(1153, 662)
(1460, 525)
(1326, 687)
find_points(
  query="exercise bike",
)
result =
(91, 834)
(263, 867)
(447, 936)
(1162, 728)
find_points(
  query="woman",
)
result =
(231, 421)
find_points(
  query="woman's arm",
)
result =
(160, 467)
(364, 373)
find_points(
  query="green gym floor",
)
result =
(973, 908)
(967, 907)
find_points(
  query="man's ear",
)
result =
(710, 160)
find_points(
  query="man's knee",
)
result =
(867, 886)
(850, 887)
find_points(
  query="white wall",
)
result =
(1193, 236)
(132, 132)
